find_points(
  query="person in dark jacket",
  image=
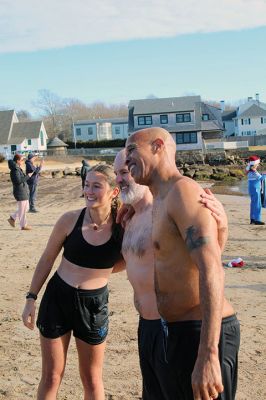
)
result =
(33, 180)
(83, 172)
(20, 192)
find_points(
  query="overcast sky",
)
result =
(54, 44)
(34, 25)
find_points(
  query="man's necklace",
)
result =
(95, 226)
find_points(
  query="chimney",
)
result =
(257, 96)
(250, 98)
(222, 105)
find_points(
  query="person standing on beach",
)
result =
(138, 255)
(254, 190)
(201, 331)
(76, 297)
(33, 179)
(20, 191)
(83, 172)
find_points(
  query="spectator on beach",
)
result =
(83, 172)
(201, 331)
(138, 254)
(33, 179)
(20, 191)
(76, 297)
(254, 190)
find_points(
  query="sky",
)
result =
(115, 51)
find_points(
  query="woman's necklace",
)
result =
(97, 226)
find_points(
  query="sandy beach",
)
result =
(20, 361)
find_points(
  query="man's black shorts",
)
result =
(64, 308)
(181, 344)
(157, 384)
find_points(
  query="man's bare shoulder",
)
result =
(184, 187)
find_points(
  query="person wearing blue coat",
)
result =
(254, 190)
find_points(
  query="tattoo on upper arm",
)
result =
(193, 240)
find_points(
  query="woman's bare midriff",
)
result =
(83, 278)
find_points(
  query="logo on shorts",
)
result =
(102, 332)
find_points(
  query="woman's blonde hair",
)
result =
(110, 176)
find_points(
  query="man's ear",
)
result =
(157, 145)
(116, 192)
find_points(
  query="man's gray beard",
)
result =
(134, 194)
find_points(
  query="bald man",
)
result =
(138, 254)
(201, 331)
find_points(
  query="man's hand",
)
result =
(218, 213)
(207, 377)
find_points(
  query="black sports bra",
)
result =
(78, 251)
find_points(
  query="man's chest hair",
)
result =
(137, 238)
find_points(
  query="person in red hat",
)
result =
(254, 190)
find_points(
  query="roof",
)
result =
(228, 115)
(120, 120)
(164, 105)
(253, 111)
(25, 130)
(6, 118)
(56, 142)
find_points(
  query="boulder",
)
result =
(57, 173)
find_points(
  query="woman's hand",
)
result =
(28, 315)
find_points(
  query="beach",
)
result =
(20, 360)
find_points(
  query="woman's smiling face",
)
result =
(97, 190)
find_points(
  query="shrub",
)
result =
(98, 144)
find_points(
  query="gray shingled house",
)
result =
(190, 121)
(20, 137)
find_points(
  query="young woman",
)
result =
(20, 191)
(76, 297)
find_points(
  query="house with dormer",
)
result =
(250, 119)
(190, 121)
(20, 137)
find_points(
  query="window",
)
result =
(29, 142)
(90, 130)
(117, 130)
(164, 119)
(78, 131)
(13, 147)
(205, 117)
(186, 117)
(41, 137)
(145, 120)
(186, 137)
(263, 120)
(245, 121)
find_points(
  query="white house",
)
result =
(251, 118)
(100, 129)
(20, 137)
(190, 121)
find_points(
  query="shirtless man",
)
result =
(201, 330)
(139, 257)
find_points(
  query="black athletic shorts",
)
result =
(181, 342)
(156, 377)
(64, 308)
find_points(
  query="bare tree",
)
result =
(23, 116)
